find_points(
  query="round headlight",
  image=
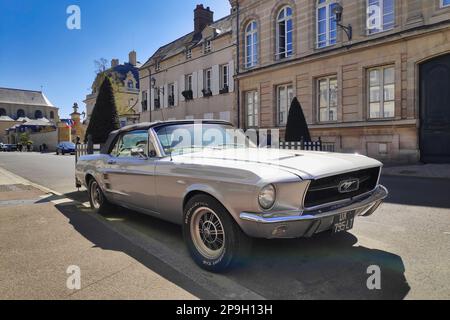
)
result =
(267, 197)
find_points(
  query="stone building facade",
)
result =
(18, 106)
(192, 77)
(382, 93)
(125, 81)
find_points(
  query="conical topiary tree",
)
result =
(104, 118)
(297, 127)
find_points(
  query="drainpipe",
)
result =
(238, 64)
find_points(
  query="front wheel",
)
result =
(213, 238)
(97, 199)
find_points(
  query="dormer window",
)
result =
(157, 66)
(188, 54)
(207, 47)
(130, 84)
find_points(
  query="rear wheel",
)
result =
(213, 238)
(97, 199)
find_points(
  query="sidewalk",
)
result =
(41, 235)
(434, 171)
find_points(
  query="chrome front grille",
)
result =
(341, 187)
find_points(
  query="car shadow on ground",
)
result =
(323, 267)
(422, 192)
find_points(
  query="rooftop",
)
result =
(24, 97)
(188, 41)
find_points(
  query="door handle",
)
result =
(112, 162)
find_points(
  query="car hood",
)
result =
(305, 164)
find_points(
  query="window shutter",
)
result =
(152, 97)
(181, 87)
(231, 76)
(200, 84)
(166, 95)
(215, 80)
(175, 94)
(194, 85)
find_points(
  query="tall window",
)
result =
(207, 86)
(252, 109)
(52, 115)
(285, 29)
(380, 15)
(224, 76)
(144, 101)
(326, 23)
(188, 82)
(381, 92)
(171, 96)
(251, 45)
(327, 99)
(285, 95)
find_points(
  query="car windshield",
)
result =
(188, 138)
(68, 145)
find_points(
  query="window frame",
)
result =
(371, 32)
(171, 94)
(114, 150)
(286, 54)
(254, 55)
(382, 85)
(188, 54)
(207, 82)
(278, 103)
(255, 109)
(328, 107)
(442, 5)
(188, 82)
(328, 5)
(224, 76)
(207, 47)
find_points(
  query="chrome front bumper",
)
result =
(306, 223)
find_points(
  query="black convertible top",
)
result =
(106, 148)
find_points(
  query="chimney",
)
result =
(202, 18)
(132, 58)
(114, 63)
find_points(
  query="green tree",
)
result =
(104, 118)
(24, 139)
(297, 127)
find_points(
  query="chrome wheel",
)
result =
(207, 233)
(96, 195)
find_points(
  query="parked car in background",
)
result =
(8, 147)
(224, 190)
(65, 147)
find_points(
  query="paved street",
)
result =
(408, 238)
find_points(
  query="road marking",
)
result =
(447, 233)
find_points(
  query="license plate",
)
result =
(343, 222)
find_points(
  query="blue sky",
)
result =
(37, 50)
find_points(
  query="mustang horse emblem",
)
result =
(349, 186)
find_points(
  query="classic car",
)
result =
(223, 190)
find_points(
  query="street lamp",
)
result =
(338, 10)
